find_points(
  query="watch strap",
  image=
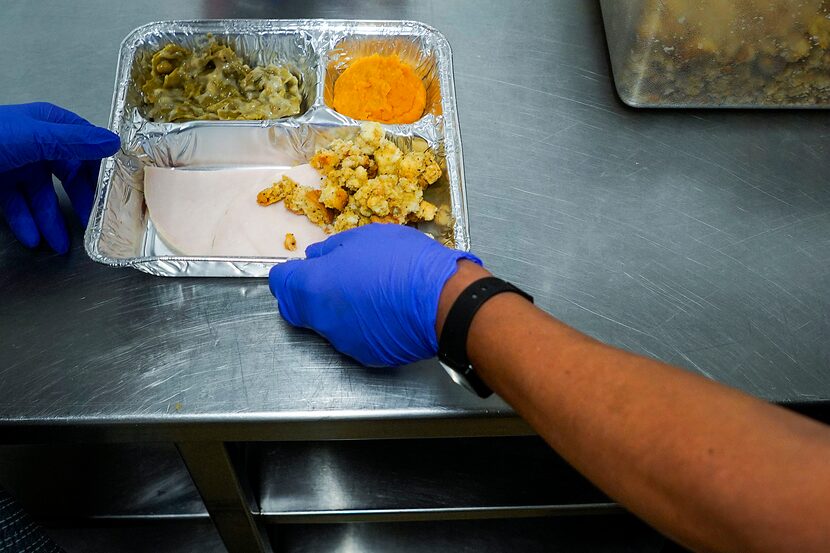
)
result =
(452, 346)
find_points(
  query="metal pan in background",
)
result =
(719, 54)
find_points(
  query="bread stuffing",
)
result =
(367, 179)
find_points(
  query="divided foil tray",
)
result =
(120, 232)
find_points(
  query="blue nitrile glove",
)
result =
(371, 291)
(39, 140)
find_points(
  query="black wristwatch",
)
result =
(452, 347)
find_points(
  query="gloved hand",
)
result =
(371, 291)
(37, 141)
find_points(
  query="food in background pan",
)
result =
(380, 88)
(213, 82)
(751, 52)
(367, 179)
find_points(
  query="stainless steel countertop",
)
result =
(699, 237)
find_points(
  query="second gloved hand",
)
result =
(372, 292)
(37, 141)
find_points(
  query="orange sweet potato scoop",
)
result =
(380, 88)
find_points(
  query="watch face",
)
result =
(458, 378)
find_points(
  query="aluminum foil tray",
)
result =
(121, 234)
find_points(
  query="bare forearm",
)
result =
(710, 466)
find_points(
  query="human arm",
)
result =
(714, 468)
(39, 140)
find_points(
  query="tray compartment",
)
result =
(411, 48)
(294, 49)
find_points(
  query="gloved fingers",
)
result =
(14, 210)
(36, 183)
(328, 245)
(79, 179)
(316, 249)
(54, 141)
(343, 238)
(44, 111)
(281, 281)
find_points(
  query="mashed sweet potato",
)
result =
(380, 88)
